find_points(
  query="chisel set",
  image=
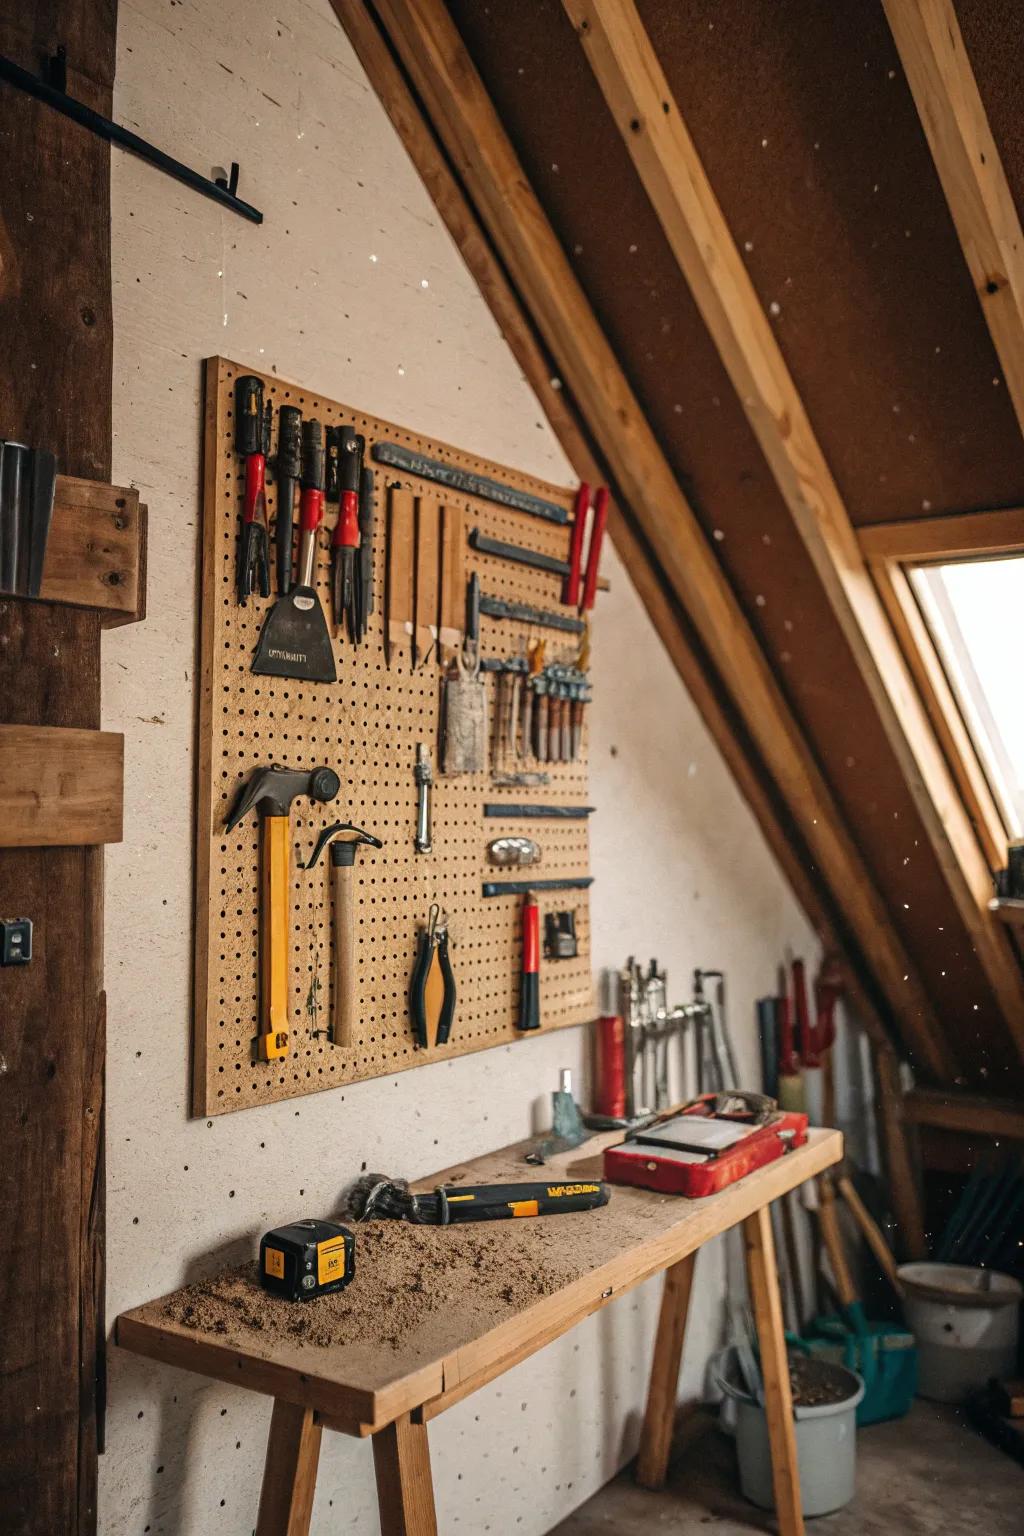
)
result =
(395, 655)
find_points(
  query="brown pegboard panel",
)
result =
(366, 727)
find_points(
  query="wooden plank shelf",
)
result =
(96, 552)
(60, 787)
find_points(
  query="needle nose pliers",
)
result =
(432, 985)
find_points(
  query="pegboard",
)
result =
(366, 726)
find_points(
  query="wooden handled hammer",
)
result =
(345, 842)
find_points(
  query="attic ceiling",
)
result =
(808, 133)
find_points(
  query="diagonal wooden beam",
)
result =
(662, 607)
(464, 118)
(931, 48)
(663, 153)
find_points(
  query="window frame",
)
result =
(889, 549)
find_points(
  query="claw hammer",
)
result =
(271, 791)
(345, 842)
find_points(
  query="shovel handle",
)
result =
(344, 1017)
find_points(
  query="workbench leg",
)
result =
(289, 1475)
(764, 1292)
(405, 1492)
(660, 1415)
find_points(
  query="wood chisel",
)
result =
(252, 443)
(345, 842)
(453, 583)
(428, 572)
(399, 586)
(432, 991)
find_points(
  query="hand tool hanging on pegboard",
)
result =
(453, 584)
(252, 444)
(295, 641)
(423, 773)
(345, 842)
(529, 972)
(270, 791)
(432, 992)
(345, 542)
(428, 580)
(364, 564)
(288, 469)
(464, 699)
(399, 571)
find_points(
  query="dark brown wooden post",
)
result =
(55, 392)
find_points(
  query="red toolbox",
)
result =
(705, 1146)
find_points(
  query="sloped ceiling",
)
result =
(807, 130)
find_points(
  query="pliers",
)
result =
(432, 985)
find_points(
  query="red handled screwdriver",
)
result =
(346, 533)
(252, 443)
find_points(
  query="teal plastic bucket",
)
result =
(884, 1356)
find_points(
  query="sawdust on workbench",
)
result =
(404, 1274)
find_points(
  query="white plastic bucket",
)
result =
(965, 1322)
(826, 1447)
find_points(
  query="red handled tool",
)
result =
(346, 533)
(597, 528)
(295, 642)
(571, 586)
(804, 1035)
(529, 990)
(252, 442)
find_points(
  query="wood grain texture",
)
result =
(870, 1231)
(289, 1472)
(762, 1276)
(95, 555)
(904, 1185)
(455, 1350)
(663, 1385)
(648, 118)
(366, 727)
(953, 117)
(832, 1241)
(55, 391)
(405, 1492)
(60, 788)
(1002, 1119)
(661, 602)
(465, 120)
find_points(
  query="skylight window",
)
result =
(973, 609)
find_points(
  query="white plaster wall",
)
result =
(681, 869)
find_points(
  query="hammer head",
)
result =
(272, 790)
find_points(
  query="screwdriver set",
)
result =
(412, 622)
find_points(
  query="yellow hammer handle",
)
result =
(274, 938)
(345, 1005)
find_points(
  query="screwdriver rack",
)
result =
(366, 726)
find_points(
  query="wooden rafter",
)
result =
(971, 1113)
(931, 48)
(647, 116)
(456, 102)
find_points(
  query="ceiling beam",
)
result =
(931, 48)
(465, 120)
(662, 607)
(644, 110)
(1002, 1118)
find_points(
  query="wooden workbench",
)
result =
(359, 1388)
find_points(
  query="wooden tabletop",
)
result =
(361, 1376)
